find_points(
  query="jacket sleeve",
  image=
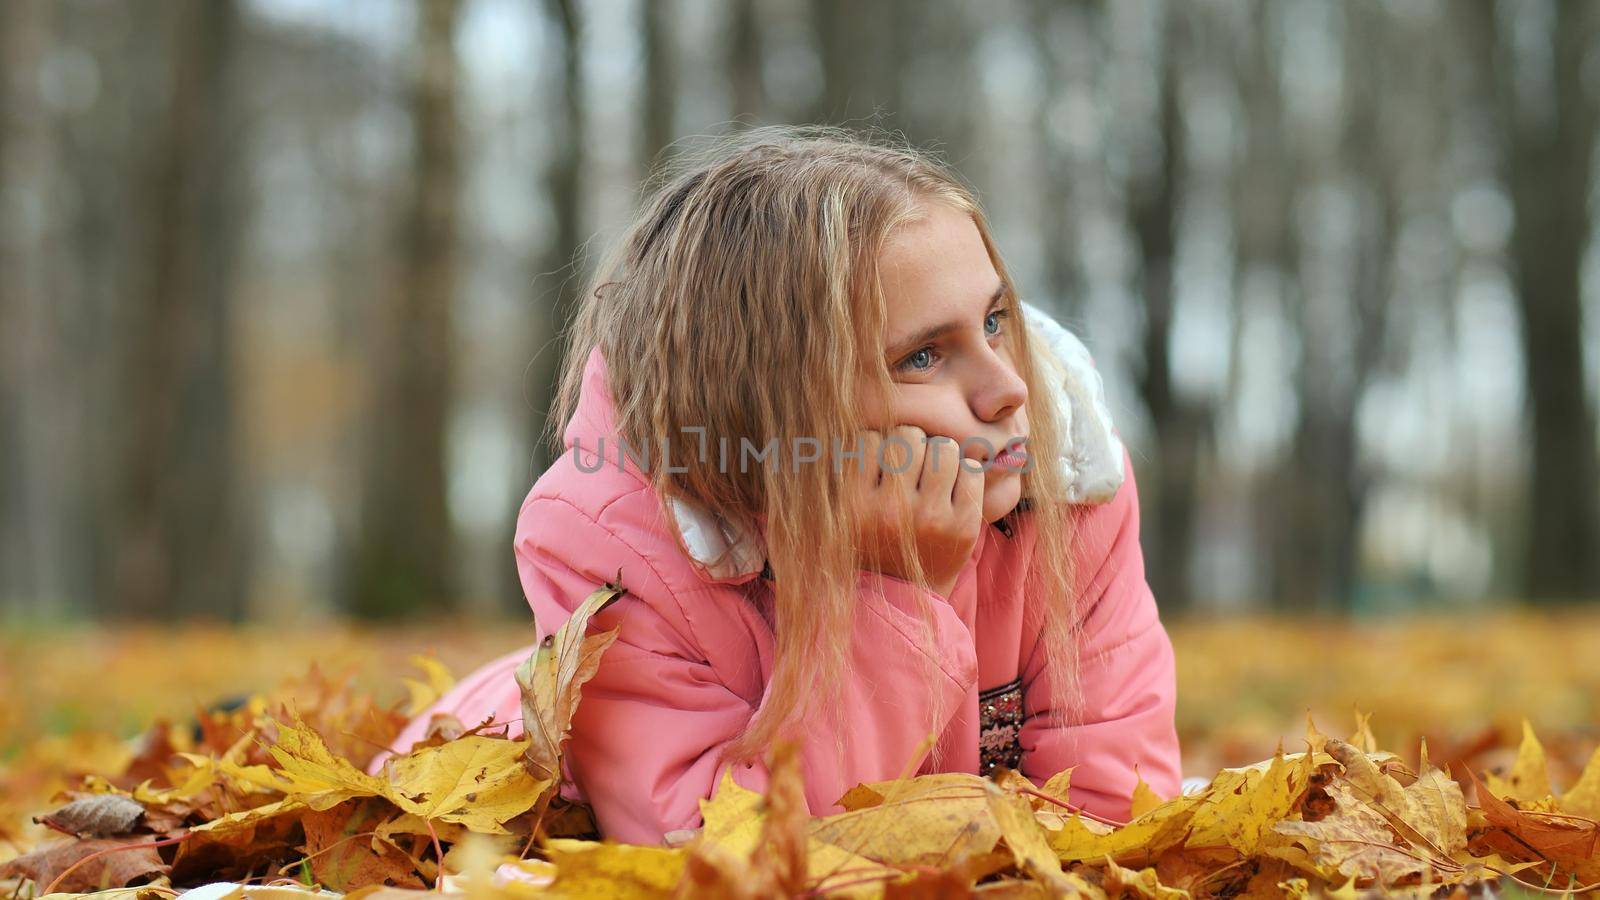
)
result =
(646, 735)
(1126, 669)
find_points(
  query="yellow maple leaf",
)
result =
(313, 774)
(587, 869)
(246, 818)
(476, 781)
(736, 825)
(1362, 738)
(1027, 842)
(1529, 780)
(1583, 798)
(1381, 831)
(1125, 882)
(916, 821)
(426, 693)
(551, 679)
(1241, 805)
(1144, 797)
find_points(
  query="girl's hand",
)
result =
(945, 495)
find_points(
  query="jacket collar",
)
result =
(734, 553)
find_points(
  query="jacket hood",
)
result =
(734, 552)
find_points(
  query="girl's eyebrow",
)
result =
(935, 332)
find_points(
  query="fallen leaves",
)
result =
(88, 864)
(552, 678)
(278, 792)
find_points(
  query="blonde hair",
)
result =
(739, 301)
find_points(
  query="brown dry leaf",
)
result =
(344, 853)
(553, 676)
(156, 748)
(1124, 882)
(412, 824)
(249, 818)
(97, 815)
(225, 854)
(1572, 843)
(1431, 813)
(132, 858)
(1354, 840)
(780, 858)
(1207, 871)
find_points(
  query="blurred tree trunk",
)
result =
(1331, 487)
(1180, 423)
(1546, 161)
(1063, 271)
(18, 53)
(561, 273)
(1546, 164)
(559, 277)
(1264, 191)
(863, 48)
(177, 542)
(660, 82)
(1321, 486)
(405, 558)
(744, 62)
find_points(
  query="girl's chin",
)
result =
(1001, 496)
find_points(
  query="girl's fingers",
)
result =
(968, 497)
(940, 466)
(863, 471)
(903, 451)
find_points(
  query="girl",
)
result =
(860, 495)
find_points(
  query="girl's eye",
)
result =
(997, 315)
(908, 363)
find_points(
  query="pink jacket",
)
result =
(688, 669)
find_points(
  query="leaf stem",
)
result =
(51, 888)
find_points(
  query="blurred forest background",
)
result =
(279, 278)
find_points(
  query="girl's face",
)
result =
(953, 373)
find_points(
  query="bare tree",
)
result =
(560, 277)
(1181, 424)
(405, 558)
(745, 48)
(1265, 190)
(176, 539)
(863, 48)
(660, 81)
(1546, 161)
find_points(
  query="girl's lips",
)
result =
(1013, 455)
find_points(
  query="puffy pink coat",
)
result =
(688, 669)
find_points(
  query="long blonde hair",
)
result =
(740, 301)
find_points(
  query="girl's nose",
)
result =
(1000, 390)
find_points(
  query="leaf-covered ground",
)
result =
(1491, 727)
